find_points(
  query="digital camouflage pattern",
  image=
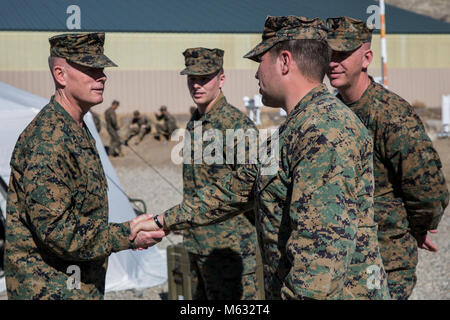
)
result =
(112, 127)
(347, 34)
(85, 49)
(410, 189)
(140, 125)
(277, 29)
(215, 211)
(57, 212)
(202, 61)
(315, 218)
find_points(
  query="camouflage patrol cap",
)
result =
(85, 49)
(347, 34)
(278, 29)
(202, 61)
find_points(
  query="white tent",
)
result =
(126, 269)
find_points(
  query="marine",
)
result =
(97, 122)
(112, 126)
(221, 243)
(140, 125)
(57, 205)
(169, 123)
(314, 215)
(410, 189)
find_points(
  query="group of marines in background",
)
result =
(140, 125)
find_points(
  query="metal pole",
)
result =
(384, 76)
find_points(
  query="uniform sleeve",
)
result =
(53, 213)
(222, 191)
(224, 197)
(323, 223)
(417, 168)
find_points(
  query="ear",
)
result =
(367, 58)
(221, 80)
(59, 73)
(285, 61)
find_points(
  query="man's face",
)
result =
(346, 67)
(267, 74)
(204, 89)
(84, 84)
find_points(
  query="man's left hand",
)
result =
(424, 242)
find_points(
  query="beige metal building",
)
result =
(149, 62)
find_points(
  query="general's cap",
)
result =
(85, 49)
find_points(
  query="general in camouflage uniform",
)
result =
(314, 217)
(58, 238)
(140, 125)
(169, 124)
(112, 126)
(222, 252)
(410, 189)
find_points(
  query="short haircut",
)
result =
(311, 56)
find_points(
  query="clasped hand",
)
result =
(145, 232)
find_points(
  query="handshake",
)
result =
(145, 232)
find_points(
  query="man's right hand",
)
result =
(144, 240)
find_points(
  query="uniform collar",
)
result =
(215, 112)
(365, 97)
(82, 135)
(308, 98)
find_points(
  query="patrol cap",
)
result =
(278, 29)
(347, 34)
(85, 49)
(202, 61)
(163, 108)
(136, 113)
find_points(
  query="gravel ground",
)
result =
(143, 183)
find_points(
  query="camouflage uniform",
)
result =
(140, 126)
(57, 206)
(112, 127)
(169, 126)
(315, 218)
(221, 247)
(410, 189)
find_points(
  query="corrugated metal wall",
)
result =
(149, 65)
